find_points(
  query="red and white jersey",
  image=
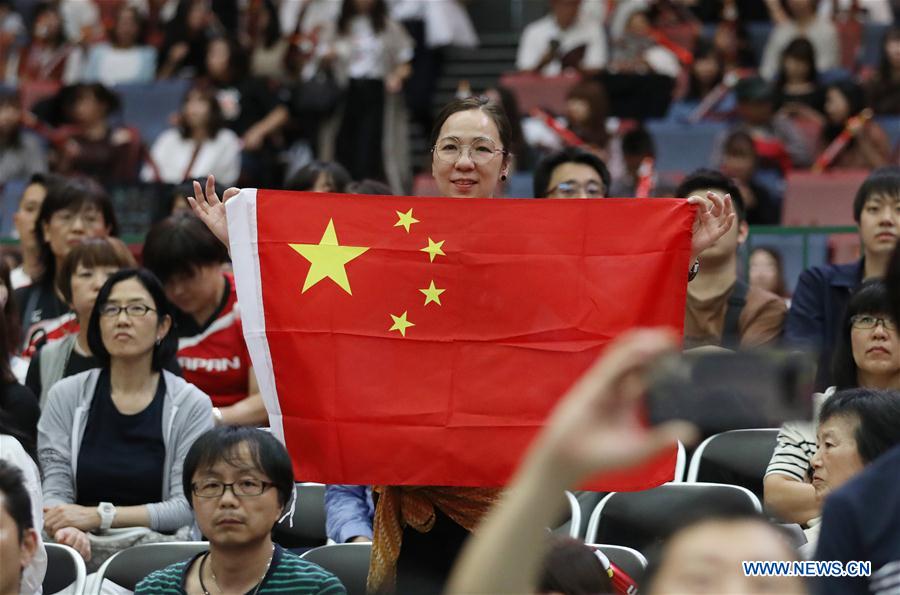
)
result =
(216, 359)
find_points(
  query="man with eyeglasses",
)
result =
(571, 173)
(240, 482)
(722, 309)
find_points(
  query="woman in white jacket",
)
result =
(111, 441)
(198, 146)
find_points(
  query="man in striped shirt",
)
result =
(240, 481)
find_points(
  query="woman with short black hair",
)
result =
(112, 440)
(73, 210)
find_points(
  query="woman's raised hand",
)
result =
(211, 210)
(715, 216)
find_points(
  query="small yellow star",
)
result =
(400, 324)
(434, 249)
(406, 220)
(433, 294)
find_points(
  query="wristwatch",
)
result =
(695, 268)
(107, 513)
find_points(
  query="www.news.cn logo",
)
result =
(808, 568)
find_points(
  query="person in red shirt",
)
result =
(188, 259)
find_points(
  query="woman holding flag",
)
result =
(470, 159)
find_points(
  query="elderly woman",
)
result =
(112, 440)
(418, 530)
(867, 355)
(855, 428)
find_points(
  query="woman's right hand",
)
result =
(76, 539)
(210, 209)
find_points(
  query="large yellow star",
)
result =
(433, 294)
(406, 220)
(400, 324)
(434, 249)
(327, 259)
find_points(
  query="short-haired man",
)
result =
(571, 173)
(240, 480)
(18, 538)
(722, 309)
(822, 292)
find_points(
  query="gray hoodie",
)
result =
(187, 413)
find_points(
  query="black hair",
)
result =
(11, 320)
(223, 443)
(856, 102)
(801, 49)
(164, 351)
(305, 179)
(704, 49)
(892, 280)
(216, 120)
(179, 244)
(69, 194)
(15, 498)
(571, 567)
(11, 98)
(703, 178)
(545, 168)
(638, 142)
(871, 298)
(885, 71)
(884, 181)
(492, 109)
(238, 61)
(369, 186)
(141, 25)
(878, 413)
(69, 96)
(272, 34)
(718, 512)
(378, 16)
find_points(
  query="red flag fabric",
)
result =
(423, 341)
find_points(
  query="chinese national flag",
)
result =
(423, 341)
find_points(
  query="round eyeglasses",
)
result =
(481, 152)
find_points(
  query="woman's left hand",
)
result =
(71, 515)
(715, 216)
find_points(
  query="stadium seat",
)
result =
(641, 519)
(536, 91)
(684, 147)
(870, 51)
(816, 199)
(581, 504)
(148, 106)
(891, 127)
(631, 561)
(65, 570)
(306, 527)
(128, 567)
(737, 457)
(348, 561)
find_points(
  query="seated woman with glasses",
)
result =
(241, 482)
(867, 355)
(112, 440)
(571, 173)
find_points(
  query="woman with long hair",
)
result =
(868, 146)
(199, 145)
(126, 57)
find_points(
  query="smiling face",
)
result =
(471, 131)
(230, 520)
(837, 457)
(131, 336)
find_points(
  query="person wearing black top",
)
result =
(72, 211)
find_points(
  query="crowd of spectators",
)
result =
(128, 399)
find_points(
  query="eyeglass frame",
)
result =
(494, 152)
(119, 309)
(582, 187)
(225, 486)
(887, 323)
